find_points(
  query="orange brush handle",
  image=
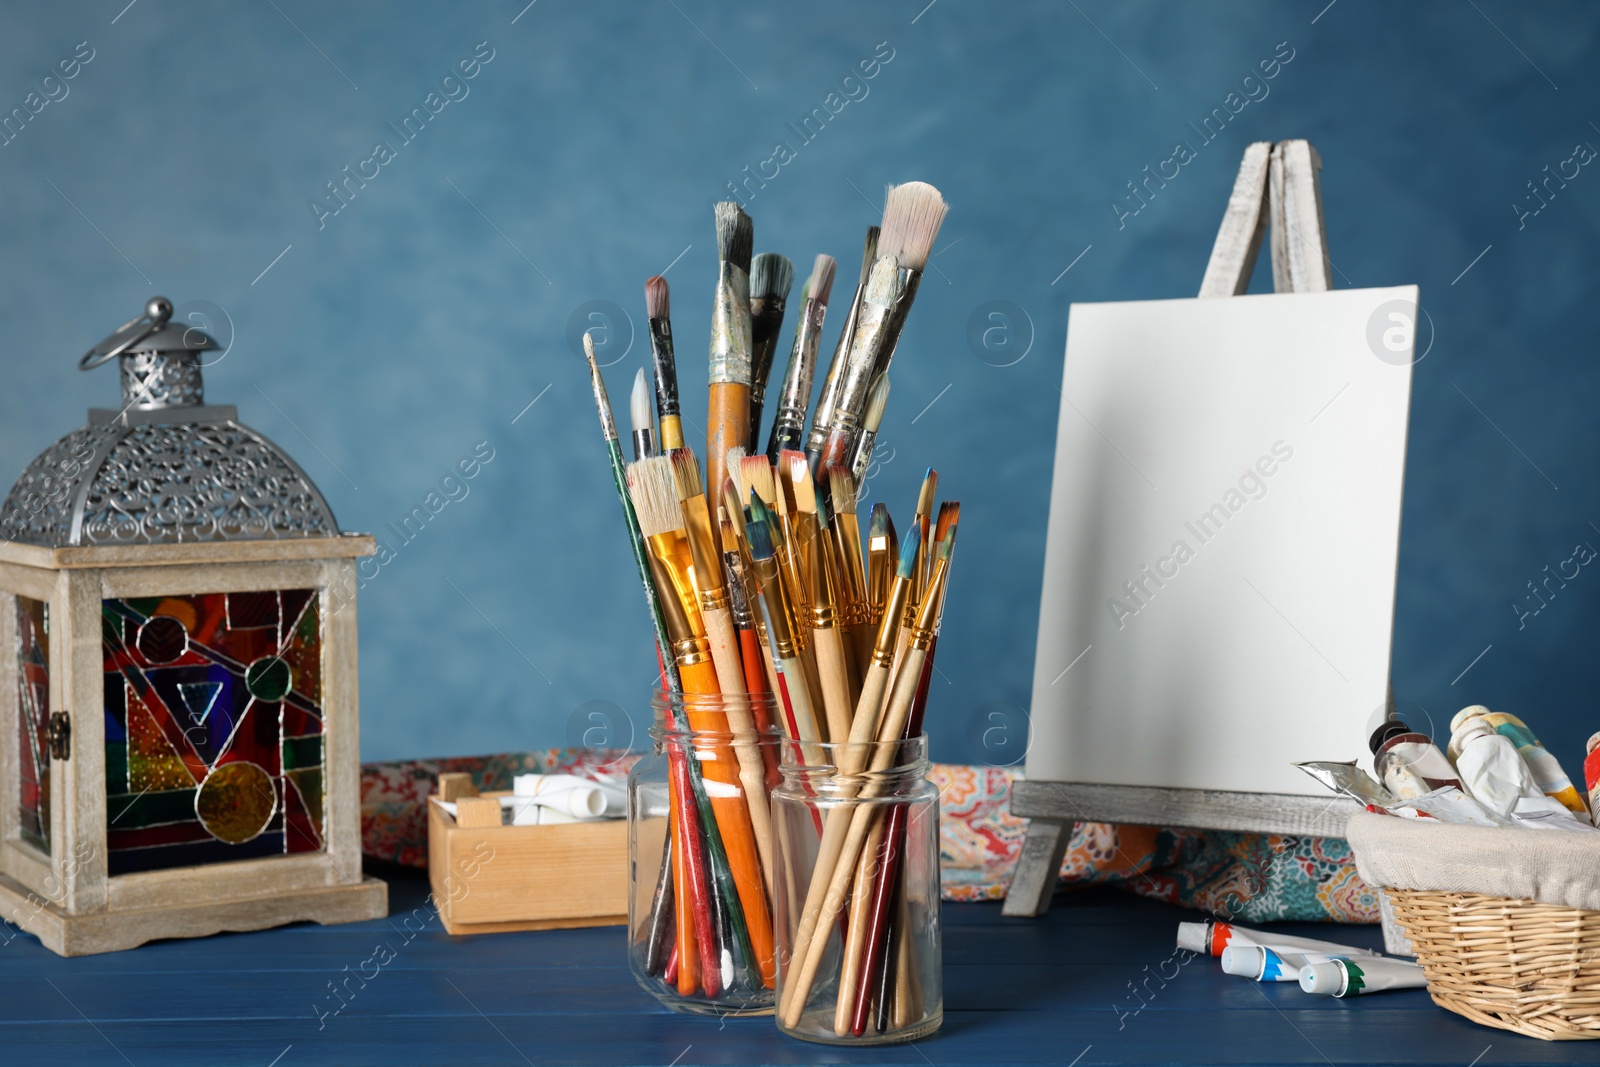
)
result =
(688, 977)
(755, 674)
(727, 426)
(721, 773)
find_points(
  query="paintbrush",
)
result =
(831, 876)
(850, 760)
(832, 670)
(644, 438)
(716, 613)
(653, 487)
(793, 689)
(658, 307)
(691, 901)
(841, 351)
(883, 549)
(879, 946)
(911, 219)
(877, 400)
(757, 666)
(845, 529)
(788, 426)
(728, 405)
(771, 277)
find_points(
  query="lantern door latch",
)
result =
(60, 735)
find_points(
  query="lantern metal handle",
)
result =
(155, 315)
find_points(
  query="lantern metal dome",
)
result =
(166, 467)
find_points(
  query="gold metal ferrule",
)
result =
(673, 564)
(707, 574)
(823, 616)
(889, 626)
(779, 634)
(730, 328)
(927, 624)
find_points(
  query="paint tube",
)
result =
(1211, 938)
(1350, 780)
(1348, 978)
(1591, 775)
(1452, 805)
(1544, 767)
(1409, 763)
(1490, 767)
(1267, 965)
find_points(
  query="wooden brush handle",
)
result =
(733, 815)
(854, 970)
(830, 877)
(835, 679)
(741, 723)
(727, 426)
(757, 669)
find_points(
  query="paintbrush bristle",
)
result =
(641, 405)
(771, 277)
(730, 506)
(948, 545)
(588, 349)
(653, 488)
(731, 461)
(799, 474)
(820, 285)
(657, 301)
(686, 470)
(841, 491)
(912, 214)
(880, 525)
(755, 476)
(908, 555)
(869, 251)
(735, 235)
(876, 402)
(759, 532)
(949, 515)
(930, 485)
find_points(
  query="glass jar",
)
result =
(858, 893)
(700, 926)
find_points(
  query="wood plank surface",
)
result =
(1027, 991)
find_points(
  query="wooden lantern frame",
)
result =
(67, 898)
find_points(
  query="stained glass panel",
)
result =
(213, 728)
(33, 719)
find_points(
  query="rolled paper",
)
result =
(581, 798)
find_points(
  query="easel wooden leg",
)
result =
(1038, 868)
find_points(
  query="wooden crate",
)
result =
(490, 879)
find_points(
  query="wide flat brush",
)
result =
(771, 278)
(789, 424)
(653, 486)
(841, 351)
(692, 897)
(658, 308)
(911, 219)
(716, 612)
(728, 399)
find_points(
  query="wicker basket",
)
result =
(1513, 964)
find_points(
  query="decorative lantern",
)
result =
(178, 736)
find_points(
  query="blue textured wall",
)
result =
(381, 344)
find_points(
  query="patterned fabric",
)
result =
(1245, 877)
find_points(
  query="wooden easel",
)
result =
(1277, 181)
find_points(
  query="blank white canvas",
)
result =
(1268, 640)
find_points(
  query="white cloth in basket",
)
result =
(1551, 868)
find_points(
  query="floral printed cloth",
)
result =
(1246, 877)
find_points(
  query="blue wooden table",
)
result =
(1083, 985)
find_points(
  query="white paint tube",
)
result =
(1211, 938)
(1348, 978)
(1266, 965)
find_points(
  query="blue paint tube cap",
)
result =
(1243, 960)
(1326, 978)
